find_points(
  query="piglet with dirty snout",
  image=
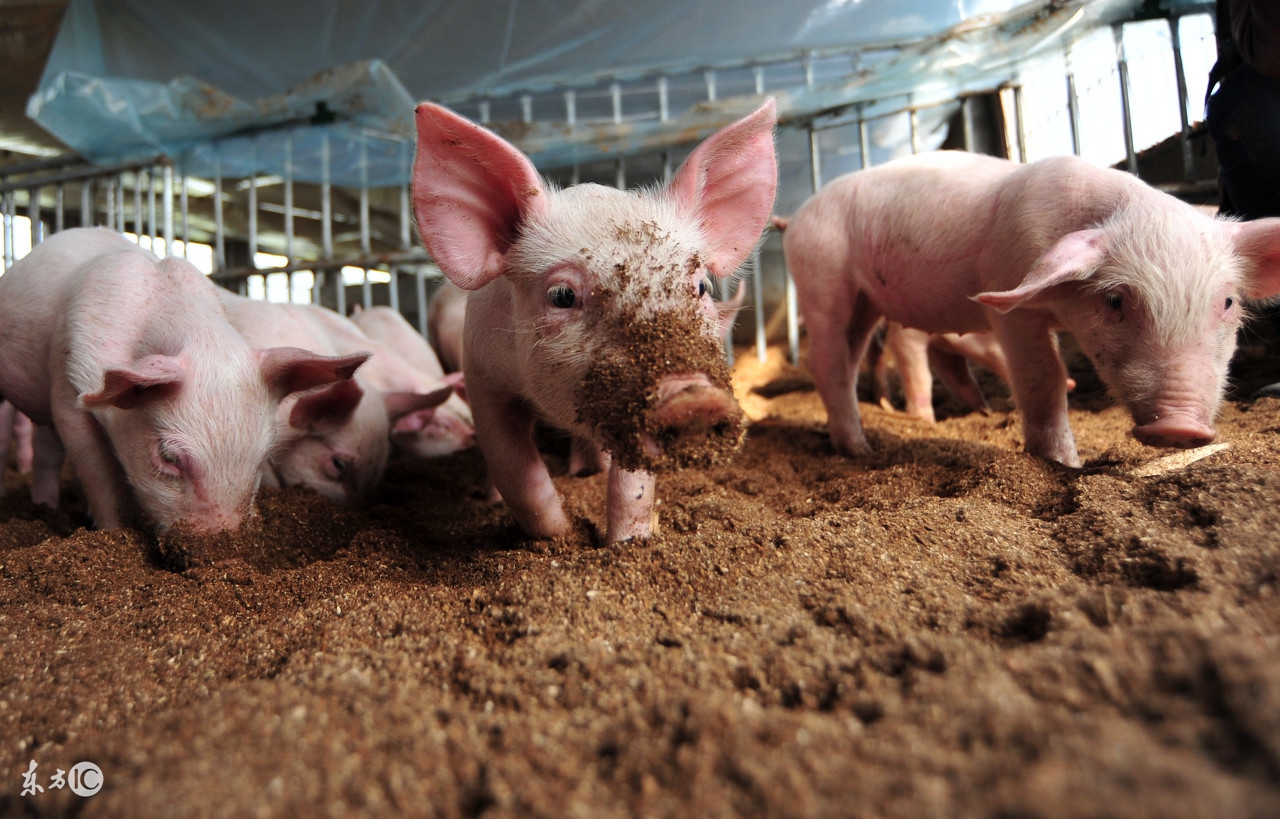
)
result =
(1151, 288)
(591, 308)
(165, 411)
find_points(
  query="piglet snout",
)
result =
(689, 409)
(1175, 431)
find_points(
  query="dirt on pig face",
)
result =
(619, 392)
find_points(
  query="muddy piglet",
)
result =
(165, 411)
(1151, 288)
(591, 306)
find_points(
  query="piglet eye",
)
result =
(339, 466)
(561, 296)
(1115, 301)
(169, 456)
(1230, 301)
(704, 287)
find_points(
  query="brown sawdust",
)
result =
(946, 627)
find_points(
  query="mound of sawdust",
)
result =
(947, 627)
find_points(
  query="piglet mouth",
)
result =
(1181, 431)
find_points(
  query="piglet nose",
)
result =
(1175, 431)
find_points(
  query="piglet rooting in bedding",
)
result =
(620, 395)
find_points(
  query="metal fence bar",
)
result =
(757, 299)
(167, 176)
(1126, 110)
(33, 215)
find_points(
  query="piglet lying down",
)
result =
(591, 308)
(1151, 288)
(165, 411)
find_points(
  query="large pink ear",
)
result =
(1259, 243)
(471, 191)
(400, 404)
(729, 182)
(150, 378)
(1075, 257)
(328, 408)
(291, 369)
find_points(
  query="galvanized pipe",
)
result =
(33, 215)
(59, 207)
(1126, 110)
(167, 181)
(1180, 72)
(86, 203)
(757, 298)
(421, 292)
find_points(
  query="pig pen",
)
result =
(948, 627)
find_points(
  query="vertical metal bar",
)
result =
(33, 215)
(615, 93)
(288, 205)
(807, 63)
(366, 246)
(326, 224)
(1021, 116)
(757, 299)
(758, 73)
(864, 141)
(620, 179)
(219, 232)
(152, 220)
(484, 112)
(1073, 113)
(86, 203)
(1184, 137)
(366, 289)
(168, 209)
(421, 288)
(710, 77)
(570, 106)
(914, 120)
(139, 220)
(526, 107)
(406, 210)
(59, 207)
(815, 160)
(1126, 111)
(664, 98)
(253, 208)
(119, 200)
(185, 201)
(966, 123)
(8, 204)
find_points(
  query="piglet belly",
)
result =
(927, 296)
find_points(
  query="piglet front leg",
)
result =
(1039, 387)
(504, 429)
(630, 505)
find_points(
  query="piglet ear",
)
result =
(1075, 257)
(150, 378)
(328, 408)
(471, 191)
(291, 369)
(400, 404)
(729, 182)
(1258, 242)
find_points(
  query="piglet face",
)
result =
(613, 295)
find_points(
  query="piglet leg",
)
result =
(910, 349)
(105, 486)
(1039, 386)
(46, 467)
(631, 510)
(837, 343)
(504, 429)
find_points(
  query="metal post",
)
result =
(288, 205)
(59, 207)
(914, 119)
(33, 215)
(526, 107)
(421, 287)
(710, 77)
(219, 234)
(184, 199)
(119, 200)
(168, 209)
(620, 180)
(864, 141)
(139, 223)
(152, 220)
(1073, 113)
(757, 298)
(112, 184)
(966, 122)
(8, 204)
(1126, 112)
(664, 98)
(1184, 137)
(86, 203)
(570, 107)
(253, 208)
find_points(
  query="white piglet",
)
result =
(338, 441)
(590, 306)
(165, 411)
(1151, 288)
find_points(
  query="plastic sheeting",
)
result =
(235, 88)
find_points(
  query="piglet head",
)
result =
(1155, 298)
(191, 434)
(617, 333)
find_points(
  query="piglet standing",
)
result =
(166, 412)
(950, 242)
(591, 307)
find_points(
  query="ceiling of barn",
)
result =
(110, 75)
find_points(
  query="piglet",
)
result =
(590, 307)
(16, 428)
(165, 411)
(446, 316)
(337, 444)
(424, 433)
(1151, 288)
